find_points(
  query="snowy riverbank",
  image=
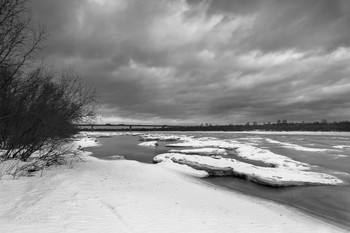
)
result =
(128, 196)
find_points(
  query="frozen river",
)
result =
(330, 152)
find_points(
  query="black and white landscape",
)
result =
(174, 116)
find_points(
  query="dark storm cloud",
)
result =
(238, 7)
(298, 24)
(194, 61)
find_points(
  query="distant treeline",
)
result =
(314, 126)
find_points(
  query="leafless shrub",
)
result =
(63, 155)
(38, 107)
(39, 112)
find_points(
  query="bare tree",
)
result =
(37, 107)
(20, 39)
(42, 110)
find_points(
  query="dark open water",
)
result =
(330, 203)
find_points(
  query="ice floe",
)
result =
(183, 169)
(200, 142)
(339, 156)
(158, 137)
(295, 147)
(313, 133)
(116, 157)
(131, 134)
(98, 134)
(201, 151)
(269, 158)
(103, 134)
(85, 142)
(342, 146)
(278, 176)
(281, 170)
(149, 143)
(247, 151)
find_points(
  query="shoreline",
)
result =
(299, 209)
(289, 202)
(130, 196)
(262, 132)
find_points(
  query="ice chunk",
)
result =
(85, 142)
(116, 157)
(342, 146)
(149, 143)
(278, 177)
(245, 150)
(270, 158)
(201, 151)
(207, 143)
(158, 137)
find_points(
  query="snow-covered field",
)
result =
(128, 196)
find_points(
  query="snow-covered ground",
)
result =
(127, 196)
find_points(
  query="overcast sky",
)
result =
(202, 61)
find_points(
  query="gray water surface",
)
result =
(128, 147)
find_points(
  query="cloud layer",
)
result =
(195, 61)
